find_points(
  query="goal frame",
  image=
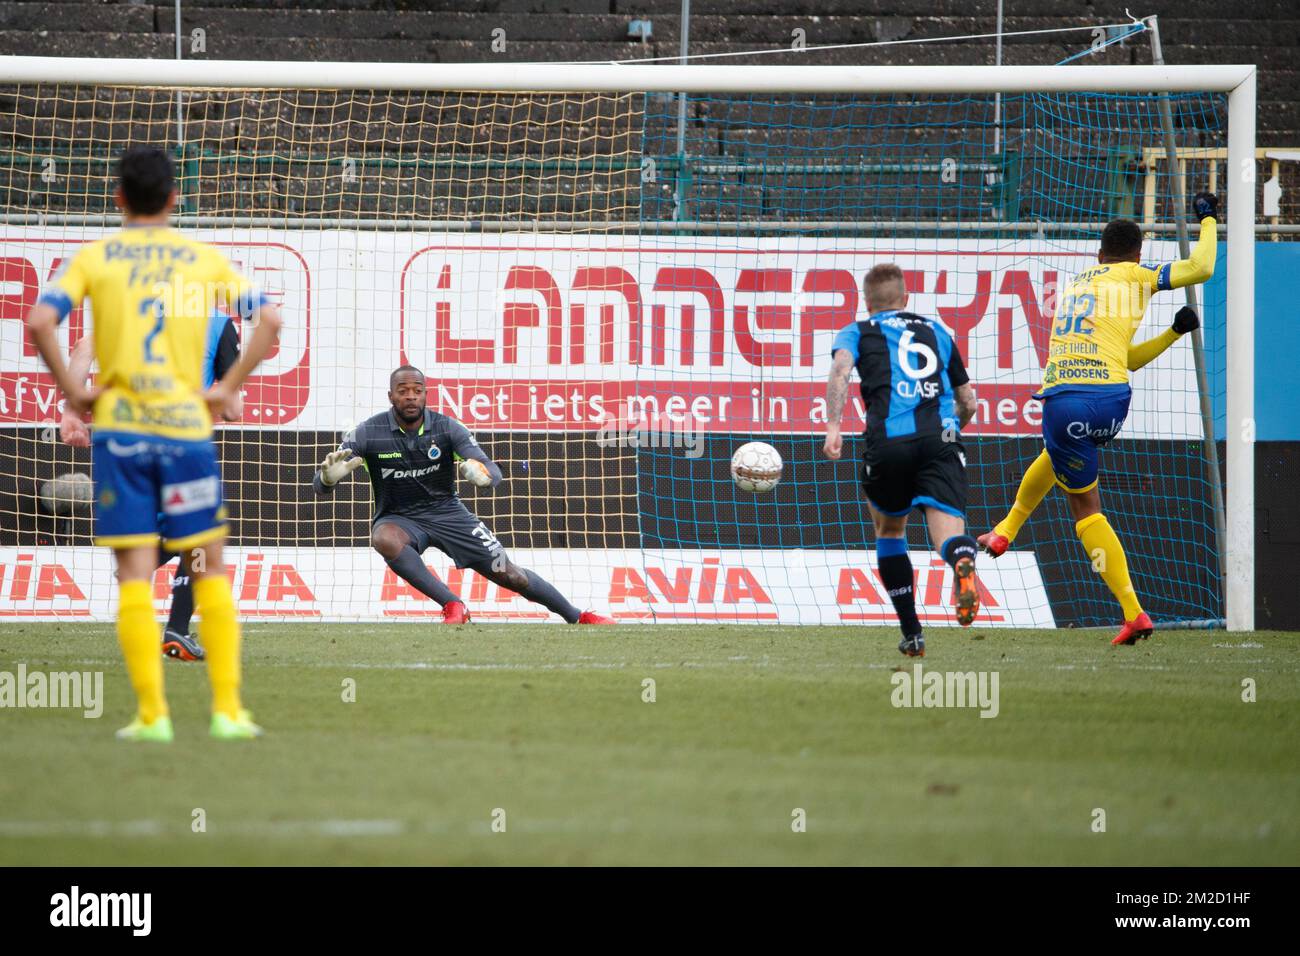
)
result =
(1237, 81)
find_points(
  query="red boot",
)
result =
(455, 612)
(1138, 629)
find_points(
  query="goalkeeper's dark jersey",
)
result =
(411, 473)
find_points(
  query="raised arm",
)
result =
(1200, 266)
(474, 464)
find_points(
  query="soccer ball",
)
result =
(67, 494)
(756, 466)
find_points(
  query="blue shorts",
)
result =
(149, 487)
(1077, 422)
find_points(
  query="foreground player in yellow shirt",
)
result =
(152, 292)
(1086, 392)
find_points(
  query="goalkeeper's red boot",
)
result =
(965, 596)
(1138, 629)
(455, 612)
(993, 543)
(591, 617)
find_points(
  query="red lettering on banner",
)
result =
(855, 585)
(766, 317)
(1017, 282)
(626, 585)
(17, 270)
(448, 348)
(606, 279)
(962, 318)
(701, 282)
(679, 590)
(286, 582)
(826, 318)
(743, 586)
(526, 315)
(54, 582)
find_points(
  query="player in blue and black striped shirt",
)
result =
(918, 397)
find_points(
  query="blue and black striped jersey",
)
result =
(909, 366)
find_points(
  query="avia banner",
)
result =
(527, 332)
(353, 584)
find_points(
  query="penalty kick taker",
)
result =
(412, 455)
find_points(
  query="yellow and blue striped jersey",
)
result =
(153, 293)
(1100, 310)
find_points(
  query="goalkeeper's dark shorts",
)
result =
(454, 530)
(919, 471)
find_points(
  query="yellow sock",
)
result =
(219, 631)
(1107, 557)
(141, 640)
(1034, 486)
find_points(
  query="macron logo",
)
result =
(103, 909)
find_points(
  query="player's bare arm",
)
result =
(963, 397)
(72, 427)
(837, 392)
(42, 326)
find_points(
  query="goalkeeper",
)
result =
(1086, 392)
(408, 452)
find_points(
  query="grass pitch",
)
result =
(450, 727)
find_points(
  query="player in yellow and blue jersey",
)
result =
(1086, 392)
(221, 355)
(152, 291)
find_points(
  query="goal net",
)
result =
(613, 302)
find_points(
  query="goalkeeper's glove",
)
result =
(337, 466)
(1186, 320)
(1205, 204)
(475, 472)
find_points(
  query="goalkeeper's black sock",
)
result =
(543, 592)
(896, 573)
(410, 568)
(957, 547)
(182, 611)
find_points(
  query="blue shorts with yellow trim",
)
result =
(1076, 422)
(149, 487)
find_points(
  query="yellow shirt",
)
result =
(151, 292)
(1101, 309)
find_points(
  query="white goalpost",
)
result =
(543, 152)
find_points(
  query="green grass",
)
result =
(548, 723)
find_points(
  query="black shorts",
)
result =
(454, 530)
(920, 471)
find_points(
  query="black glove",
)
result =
(1186, 320)
(1205, 204)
